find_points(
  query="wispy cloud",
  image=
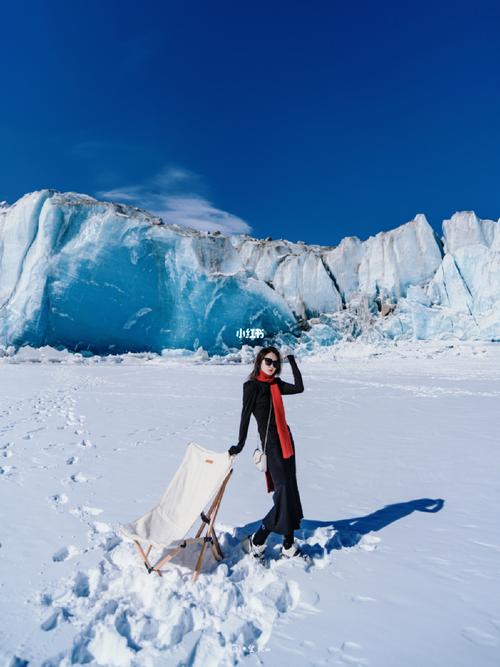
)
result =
(173, 195)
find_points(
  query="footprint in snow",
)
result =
(6, 450)
(64, 553)
(78, 478)
(81, 585)
(102, 535)
(60, 614)
(84, 511)
(58, 499)
(101, 527)
(94, 511)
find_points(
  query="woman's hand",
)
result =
(233, 450)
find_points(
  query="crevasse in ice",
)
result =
(104, 277)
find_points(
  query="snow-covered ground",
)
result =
(398, 464)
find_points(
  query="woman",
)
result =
(262, 397)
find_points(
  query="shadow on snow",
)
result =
(347, 532)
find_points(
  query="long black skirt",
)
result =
(285, 515)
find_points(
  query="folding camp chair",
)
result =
(200, 479)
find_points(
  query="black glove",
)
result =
(288, 356)
(234, 450)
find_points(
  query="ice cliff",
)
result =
(104, 277)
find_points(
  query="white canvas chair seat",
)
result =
(201, 478)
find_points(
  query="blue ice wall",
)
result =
(104, 278)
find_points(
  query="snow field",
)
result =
(397, 463)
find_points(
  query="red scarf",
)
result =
(279, 413)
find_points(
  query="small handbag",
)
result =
(259, 455)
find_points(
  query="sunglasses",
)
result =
(271, 362)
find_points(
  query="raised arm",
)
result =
(249, 396)
(298, 386)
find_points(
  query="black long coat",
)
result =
(286, 513)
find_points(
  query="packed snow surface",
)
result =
(397, 463)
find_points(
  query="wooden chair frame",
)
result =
(207, 521)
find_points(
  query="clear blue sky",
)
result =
(299, 120)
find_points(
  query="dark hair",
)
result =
(258, 360)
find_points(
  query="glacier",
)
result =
(104, 277)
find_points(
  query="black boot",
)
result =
(261, 536)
